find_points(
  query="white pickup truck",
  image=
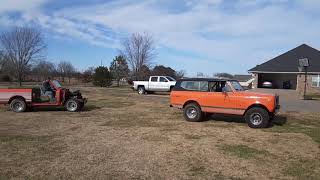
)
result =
(155, 83)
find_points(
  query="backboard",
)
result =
(304, 62)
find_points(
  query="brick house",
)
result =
(283, 71)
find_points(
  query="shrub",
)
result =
(102, 77)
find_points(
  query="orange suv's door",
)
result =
(220, 99)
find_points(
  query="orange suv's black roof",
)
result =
(205, 79)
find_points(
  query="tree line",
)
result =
(22, 52)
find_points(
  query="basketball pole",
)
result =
(305, 83)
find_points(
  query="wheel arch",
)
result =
(191, 101)
(17, 97)
(257, 105)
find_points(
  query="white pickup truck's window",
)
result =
(195, 85)
(170, 78)
(162, 79)
(154, 79)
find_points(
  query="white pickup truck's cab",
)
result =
(155, 83)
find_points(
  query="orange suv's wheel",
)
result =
(257, 117)
(192, 112)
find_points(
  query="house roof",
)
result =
(242, 78)
(288, 62)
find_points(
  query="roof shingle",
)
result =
(288, 62)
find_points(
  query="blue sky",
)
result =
(207, 36)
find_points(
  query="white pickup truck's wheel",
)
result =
(72, 105)
(18, 105)
(141, 90)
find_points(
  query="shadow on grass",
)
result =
(304, 123)
(226, 118)
(164, 94)
(86, 108)
(279, 120)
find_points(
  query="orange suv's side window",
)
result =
(195, 85)
(219, 86)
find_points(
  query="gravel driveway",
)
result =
(290, 101)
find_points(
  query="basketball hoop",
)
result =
(304, 62)
(303, 65)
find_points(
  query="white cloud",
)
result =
(20, 5)
(247, 30)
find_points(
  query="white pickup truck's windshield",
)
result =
(56, 84)
(170, 78)
(236, 85)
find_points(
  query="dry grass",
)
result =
(122, 135)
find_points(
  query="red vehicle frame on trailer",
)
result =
(54, 95)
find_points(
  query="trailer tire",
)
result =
(18, 105)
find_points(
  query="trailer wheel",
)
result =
(72, 105)
(18, 105)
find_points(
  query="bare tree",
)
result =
(200, 74)
(180, 74)
(43, 70)
(21, 46)
(224, 75)
(87, 75)
(2, 61)
(161, 70)
(139, 51)
(65, 69)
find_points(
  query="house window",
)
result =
(316, 81)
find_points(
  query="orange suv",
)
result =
(201, 96)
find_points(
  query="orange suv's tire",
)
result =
(192, 112)
(257, 117)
